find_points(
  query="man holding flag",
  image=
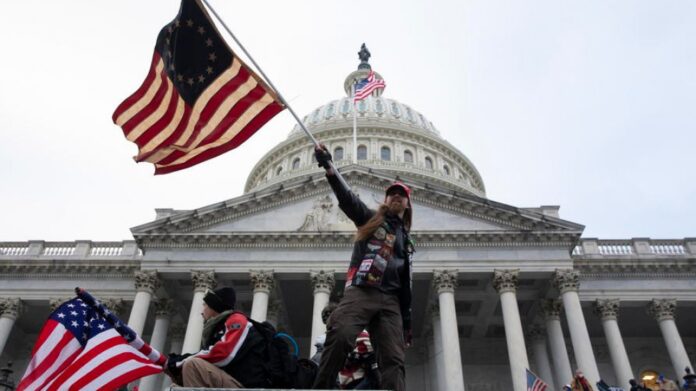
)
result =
(226, 333)
(378, 283)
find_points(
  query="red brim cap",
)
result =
(401, 186)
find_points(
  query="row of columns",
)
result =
(446, 339)
(445, 329)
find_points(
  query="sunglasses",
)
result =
(398, 191)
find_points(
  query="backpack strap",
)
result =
(295, 346)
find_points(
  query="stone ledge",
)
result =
(233, 389)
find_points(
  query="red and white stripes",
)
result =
(173, 135)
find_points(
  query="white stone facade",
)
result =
(496, 288)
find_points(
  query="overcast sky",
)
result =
(590, 105)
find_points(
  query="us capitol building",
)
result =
(497, 288)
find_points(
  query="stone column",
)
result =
(542, 365)
(608, 311)
(176, 340)
(445, 282)
(10, 309)
(146, 283)
(505, 282)
(163, 312)
(559, 354)
(437, 347)
(663, 311)
(323, 283)
(202, 281)
(568, 282)
(262, 280)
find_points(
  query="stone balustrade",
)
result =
(77, 249)
(636, 247)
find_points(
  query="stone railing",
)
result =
(636, 247)
(76, 249)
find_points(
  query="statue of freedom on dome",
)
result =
(364, 56)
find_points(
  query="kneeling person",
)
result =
(229, 349)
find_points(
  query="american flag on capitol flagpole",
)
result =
(364, 87)
(198, 101)
(83, 346)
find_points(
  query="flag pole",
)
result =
(270, 83)
(355, 129)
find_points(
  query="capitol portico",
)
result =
(497, 288)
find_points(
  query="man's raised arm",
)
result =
(349, 202)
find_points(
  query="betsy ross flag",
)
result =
(199, 99)
(79, 349)
(534, 383)
(364, 87)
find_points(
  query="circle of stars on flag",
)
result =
(190, 79)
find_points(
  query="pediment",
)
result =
(308, 205)
(321, 213)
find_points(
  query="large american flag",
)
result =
(199, 99)
(78, 349)
(364, 87)
(534, 383)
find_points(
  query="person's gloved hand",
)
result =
(172, 360)
(323, 156)
(170, 365)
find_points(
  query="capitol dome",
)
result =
(392, 137)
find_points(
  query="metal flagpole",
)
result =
(355, 129)
(282, 99)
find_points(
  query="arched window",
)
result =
(315, 116)
(408, 156)
(338, 153)
(447, 170)
(362, 106)
(428, 163)
(379, 107)
(296, 163)
(385, 153)
(395, 110)
(329, 111)
(362, 152)
(279, 169)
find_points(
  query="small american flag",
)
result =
(198, 101)
(364, 87)
(534, 383)
(78, 349)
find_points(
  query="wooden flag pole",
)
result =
(270, 83)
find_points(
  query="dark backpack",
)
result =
(283, 369)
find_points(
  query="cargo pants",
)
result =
(379, 313)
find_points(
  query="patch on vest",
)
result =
(235, 326)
